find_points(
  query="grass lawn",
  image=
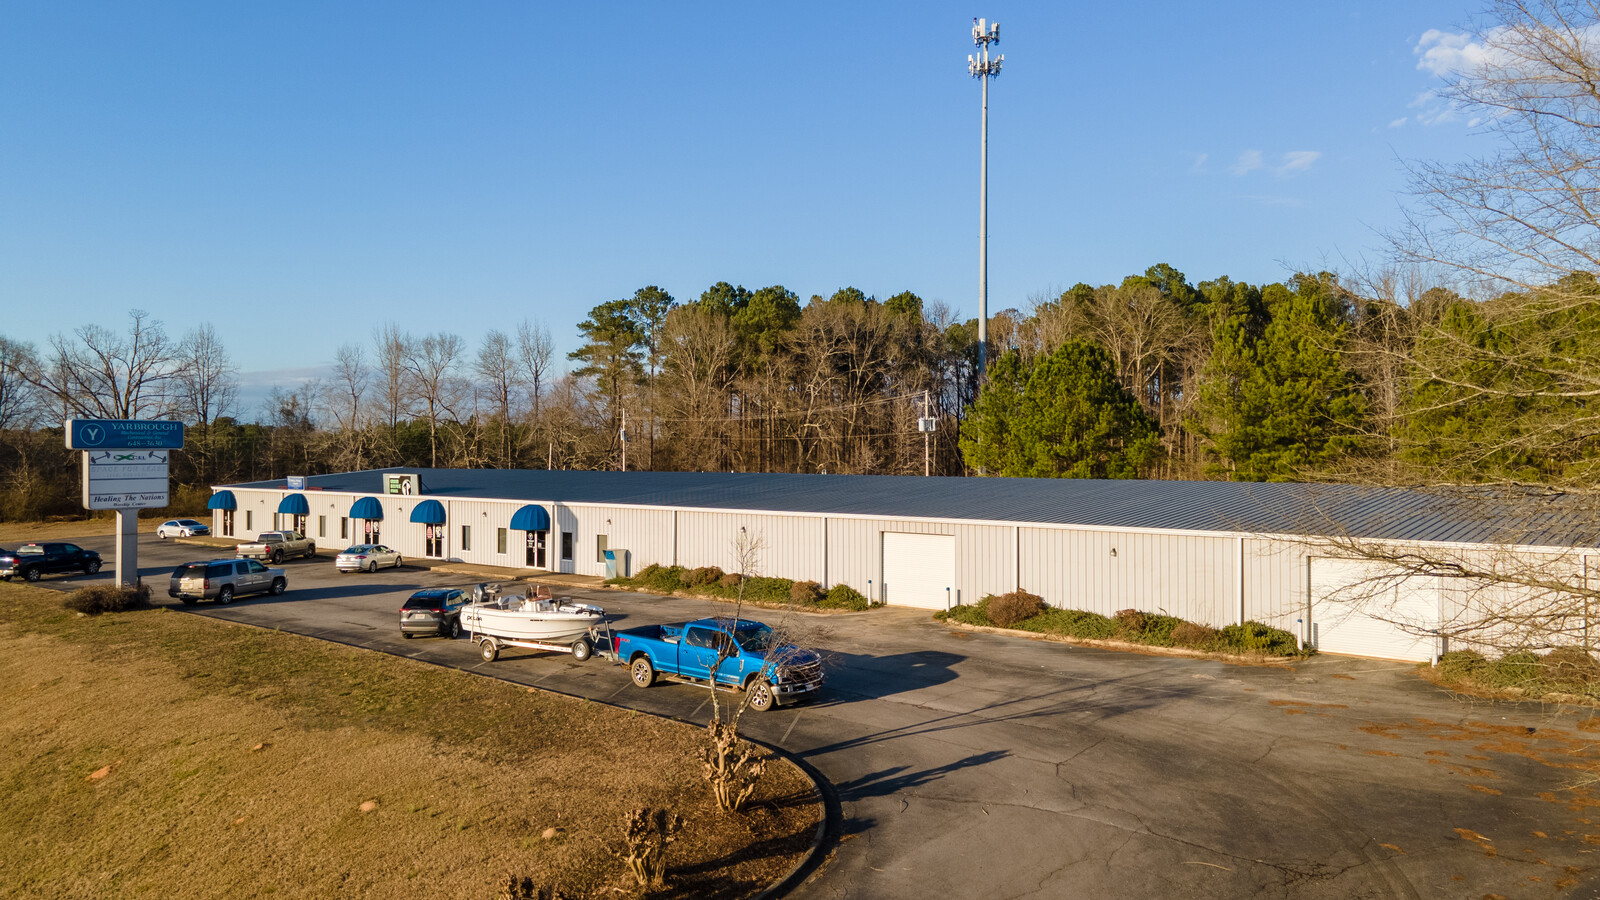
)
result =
(161, 754)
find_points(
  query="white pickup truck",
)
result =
(276, 546)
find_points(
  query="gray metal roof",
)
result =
(1480, 516)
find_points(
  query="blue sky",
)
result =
(298, 173)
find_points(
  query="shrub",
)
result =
(1254, 637)
(104, 598)
(702, 575)
(966, 615)
(805, 593)
(665, 579)
(1146, 628)
(1571, 666)
(843, 596)
(730, 580)
(1519, 669)
(1007, 610)
(1195, 636)
(1073, 623)
(1461, 664)
(767, 590)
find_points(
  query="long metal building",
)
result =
(1216, 553)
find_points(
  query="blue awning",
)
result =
(531, 518)
(222, 500)
(367, 508)
(294, 505)
(428, 512)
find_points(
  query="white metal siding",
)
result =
(791, 546)
(645, 532)
(1364, 608)
(855, 550)
(919, 570)
(1191, 577)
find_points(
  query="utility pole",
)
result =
(927, 437)
(982, 67)
(623, 434)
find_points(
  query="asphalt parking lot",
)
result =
(979, 765)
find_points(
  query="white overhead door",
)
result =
(1366, 608)
(919, 569)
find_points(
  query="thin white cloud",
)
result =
(1248, 162)
(1199, 167)
(1399, 122)
(1296, 161)
(1452, 55)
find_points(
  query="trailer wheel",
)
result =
(489, 649)
(581, 649)
(642, 672)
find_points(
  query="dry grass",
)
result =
(155, 753)
(12, 533)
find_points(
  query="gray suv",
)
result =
(222, 579)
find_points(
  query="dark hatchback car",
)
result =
(34, 561)
(434, 611)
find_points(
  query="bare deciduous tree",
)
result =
(98, 373)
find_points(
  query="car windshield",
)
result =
(359, 548)
(191, 570)
(754, 637)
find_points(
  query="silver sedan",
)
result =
(367, 557)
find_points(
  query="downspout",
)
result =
(1241, 582)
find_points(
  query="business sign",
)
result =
(123, 434)
(296, 482)
(394, 483)
(124, 479)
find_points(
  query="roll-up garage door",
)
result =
(919, 569)
(1363, 608)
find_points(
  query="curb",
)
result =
(1127, 647)
(829, 829)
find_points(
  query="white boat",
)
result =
(533, 617)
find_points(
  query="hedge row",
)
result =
(1565, 670)
(710, 581)
(1025, 611)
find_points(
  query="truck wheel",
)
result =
(761, 695)
(277, 557)
(642, 672)
(581, 649)
(226, 594)
(489, 650)
(32, 574)
(92, 567)
(311, 553)
(279, 586)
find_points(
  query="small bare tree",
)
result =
(645, 836)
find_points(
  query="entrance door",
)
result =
(536, 549)
(371, 528)
(435, 541)
(227, 523)
(919, 570)
(1364, 608)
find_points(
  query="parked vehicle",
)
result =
(277, 546)
(181, 528)
(34, 561)
(368, 557)
(536, 620)
(223, 579)
(434, 611)
(741, 654)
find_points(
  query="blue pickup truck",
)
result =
(751, 659)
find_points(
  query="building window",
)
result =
(322, 526)
(566, 546)
(248, 515)
(344, 529)
(466, 537)
(500, 540)
(601, 544)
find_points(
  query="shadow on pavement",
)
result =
(854, 676)
(894, 779)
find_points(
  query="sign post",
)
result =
(125, 469)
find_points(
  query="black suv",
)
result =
(34, 561)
